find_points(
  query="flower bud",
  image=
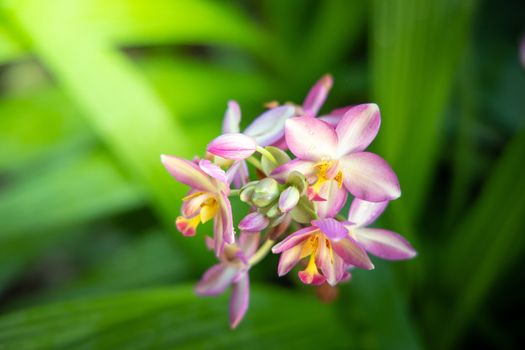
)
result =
(233, 146)
(247, 191)
(265, 192)
(288, 199)
(254, 222)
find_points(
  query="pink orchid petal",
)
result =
(268, 128)
(289, 199)
(310, 138)
(334, 117)
(303, 166)
(254, 222)
(239, 300)
(191, 206)
(289, 258)
(369, 177)
(352, 253)
(218, 235)
(358, 128)
(384, 243)
(293, 239)
(232, 118)
(314, 278)
(332, 228)
(335, 199)
(324, 261)
(213, 170)
(317, 95)
(233, 146)
(216, 279)
(363, 213)
(249, 242)
(187, 173)
(225, 209)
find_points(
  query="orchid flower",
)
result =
(327, 153)
(382, 243)
(330, 249)
(206, 200)
(231, 270)
(265, 130)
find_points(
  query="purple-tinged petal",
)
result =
(268, 128)
(216, 279)
(249, 242)
(363, 213)
(233, 146)
(352, 253)
(225, 212)
(335, 116)
(310, 138)
(239, 300)
(254, 222)
(324, 260)
(232, 118)
(332, 228)
(187, 173)
(238, 174)
(369, 177)
(311, 277)
(289, 258)
(358, 128)
(293, 239)
(289, 199)
(305, 167)
(317, 95)
(384, 243)
(218, 235)
(193, 202)
(213, 170)
(335, 199)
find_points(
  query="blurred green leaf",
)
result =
(10, 47)
(173, 318)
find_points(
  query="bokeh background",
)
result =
(92, 91)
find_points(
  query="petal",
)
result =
(358, 128)
(232, 146)
(384, 243)
(239, 301)
(226, 218)
(213, 170)
(238, 174)
(335, 116)
(254, 222)
(288, 199)
(249, 242)
(332, 228)
(363, 213)
(317, 95)
(310, 138)
(289, 258)
(352, 253)
(187, 173)
(218, 235)
(216, 279)
(325, 263)
(232, 118)
(293, 239)
(369, 177)
(335, 199)
(305, 167)
(268, 128)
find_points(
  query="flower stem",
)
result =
(267, 154)
(234, 192)
(261, 252)
(255, 162)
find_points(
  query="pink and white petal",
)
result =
(324, 261)
(232, 146)
(191, 206)
(254, 222)
(384, 243)
(232, 118)
(352, 253)
(358, 128)
(294, 239)
(218, 235)
(369, 177)
(268, 128)
(239, 300)
(363, 213)
(335, 199)
(213, 170)
(216, 279)
(187, 173)
(225, 212)
(317, 95)
(332, 229)
(289, 258)
(311, 139)
(333, 120)
(249, 242)
(288, 199)
(305, 167)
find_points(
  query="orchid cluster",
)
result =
(304, 166)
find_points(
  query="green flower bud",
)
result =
(265, 192)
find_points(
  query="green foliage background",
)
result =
(93, 91)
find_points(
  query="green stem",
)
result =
(255, 162)
(234, 192)
(261, 253)
(267, 154)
